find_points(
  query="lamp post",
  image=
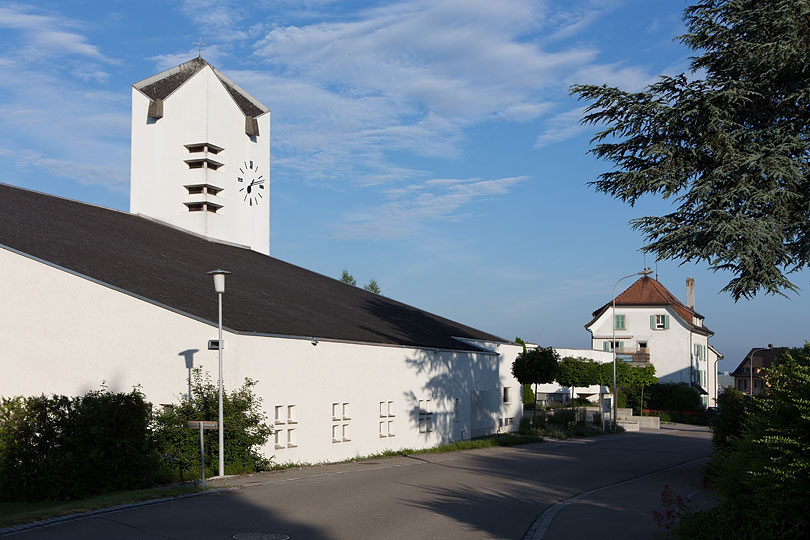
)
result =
(219, 287)
(645, 272)
(751, 369)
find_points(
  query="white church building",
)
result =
(96, 295)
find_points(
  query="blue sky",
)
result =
(431, 145)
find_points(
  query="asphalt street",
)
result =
(605, 487)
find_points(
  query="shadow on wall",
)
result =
(461, 397)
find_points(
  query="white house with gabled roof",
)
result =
(653, 327)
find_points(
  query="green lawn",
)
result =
(15, 513)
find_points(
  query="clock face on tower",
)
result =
(251, 182)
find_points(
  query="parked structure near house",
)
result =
(653, 327)
(96, 296)
(748, 375)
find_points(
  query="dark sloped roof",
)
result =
(647, 291)
(168, 266)
(160, 86)
(760, 357)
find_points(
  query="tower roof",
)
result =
(162, 85)
(647, 291)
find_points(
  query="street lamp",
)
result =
(219, 287)
(645, 272)
(751, 368)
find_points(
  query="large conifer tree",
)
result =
(729, 143)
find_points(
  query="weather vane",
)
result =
(199, 43)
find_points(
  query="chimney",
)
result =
(690, 293)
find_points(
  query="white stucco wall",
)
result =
(65, 334)
(200, 111)
(672, 351)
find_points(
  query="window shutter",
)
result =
(666, 322)
(652, 322)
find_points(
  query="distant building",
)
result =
(654, 327)
(748, 375)
(724, 380)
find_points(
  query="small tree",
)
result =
(372, 286)
(246, 428)
(536, 366)
(346, 277)
(577, 371)
(639, 377)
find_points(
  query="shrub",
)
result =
(246, 429)
(59, 447)
(673, 397)
(525, 426)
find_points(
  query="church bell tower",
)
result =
(201, 155)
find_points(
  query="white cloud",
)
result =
(47, 35)
(416, 207)
(562, 127)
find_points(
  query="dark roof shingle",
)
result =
(168, 266)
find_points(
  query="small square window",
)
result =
(279, 415)
(291, 414)
(291, 438)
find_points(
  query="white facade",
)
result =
(193, 164)
(328, 400)
(679, 354)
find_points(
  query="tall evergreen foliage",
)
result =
(728, 142)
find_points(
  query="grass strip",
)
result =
(17, 513)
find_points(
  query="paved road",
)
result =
(604, 487)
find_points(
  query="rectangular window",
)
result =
(391, 408)
(346, 433)
(336, 411)
(507, 395)
(742, 385)
(346, 412)
(425, 416)
(291, 438)
(383, 409)
(336, 433)
(659, 322)
(291, 414)
(278, 436)
(390, 428)
(620, 322)
(279, 416)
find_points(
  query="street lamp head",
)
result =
(645, 272)
(219, 279)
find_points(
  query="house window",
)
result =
(700, 351)
(425, 416)
(279, 416)
(507, 394)
(608, 345)
(386, 418)
(291, 418)
(340, 431)
(741, 384)
(659, 322)
(620, 322)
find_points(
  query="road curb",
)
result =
(14, 529)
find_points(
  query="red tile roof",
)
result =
(646, 291)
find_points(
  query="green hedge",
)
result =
(57, 447)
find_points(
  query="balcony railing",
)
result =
(636, 355)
